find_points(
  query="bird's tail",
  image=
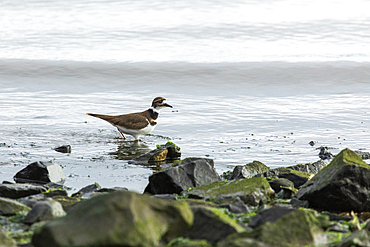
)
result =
(104, 117)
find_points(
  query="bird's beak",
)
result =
(167, 105)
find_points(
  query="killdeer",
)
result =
(136, 124)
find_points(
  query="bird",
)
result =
(136, 124)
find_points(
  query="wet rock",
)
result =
(212, 225)
(41, 173)
(174, 152)
(297, 177)
(11, 207)
(277, 184)
(117, 219)
(156, 156)
(187, 173)
(88, 191)
(298, 228)
(310, 167)
(324, 153)
(64, 149)
(249, 170)
(342, 186)
(16, 191)
(252, 191)
(5, 240)
(269, 215)
(44, 210)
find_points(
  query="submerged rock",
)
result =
(298, 228)
(162, 154)
(212, 225)
(11, 207)
(64, 149)
(343, 185)
(41, 173)
(249, 170)
(88, 191)
(156, 156)
(44, 210)
(252, 191)
(117, 219)
(187, 173)
(324, 153)
(16, 191)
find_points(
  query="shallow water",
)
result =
(233, 123)
(249, 80)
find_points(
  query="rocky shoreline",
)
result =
(189, 204)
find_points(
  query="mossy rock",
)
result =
(117, 219)
(185, 242)
(297, 177)
(249, 170)
(252, 191)
(342, 186)
(11, 207)
(299, 228)
(212, 225)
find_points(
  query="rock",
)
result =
(5, 240)
(298, 228)
(363, 155)
(269, 215)
(310, 168)
(297, 177)
(342, 186)
(212, 225)
(117, 219)
(174, 152)
(357, 239)
(11, 207)
(109, 190)
(324, 153)
(233, 204)
(241, 242)
(277, 184)
(185, 242)
(44, 210)
(252, 191)
(249, 170)
(87, 191)
(156, 156)
(168, 197)
(16, 191)
(187, 173)
(41, 173)
(64, 149)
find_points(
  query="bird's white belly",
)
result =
(136, 133)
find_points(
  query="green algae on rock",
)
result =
(342, 186)
(249, 170)
(212, 225)
(11, 207)
(117, 219)
(252, 191)
(298, 228)
(5, 240)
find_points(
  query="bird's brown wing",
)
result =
(130, 121)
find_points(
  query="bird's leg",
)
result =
(124, 137)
